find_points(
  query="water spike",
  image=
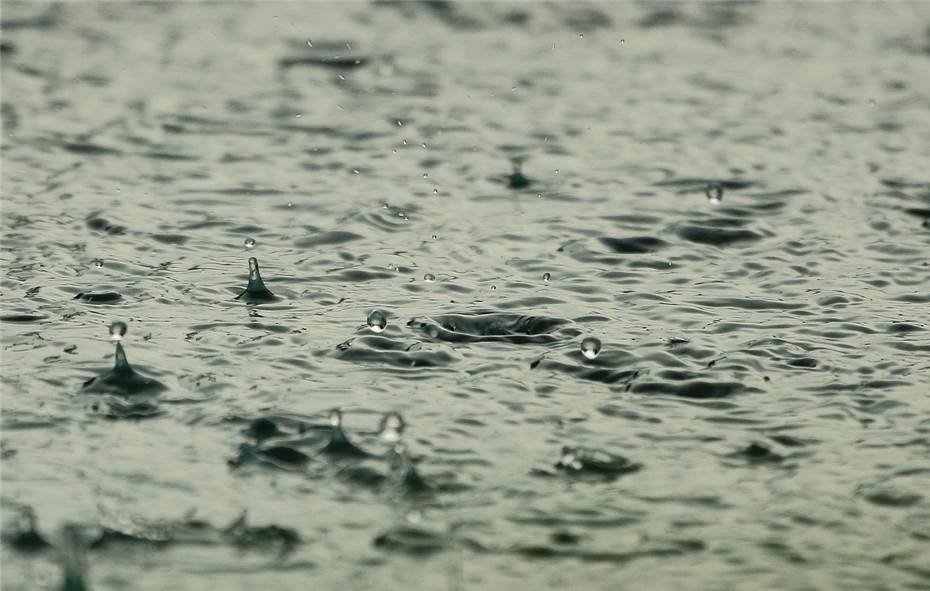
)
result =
(73, 561)
(518, 180)
(256, 291)
(339, 444)
(122, 363)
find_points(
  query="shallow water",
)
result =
(757, 416)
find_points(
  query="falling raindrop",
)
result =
(335, 418)
(590, 347)
(435, 236)
(118, 330)
(714, 193)
(98, 263)
(377, 321)
(309, 43)
(250, 243)
(547, 277)
(429, 278)
(435, 191)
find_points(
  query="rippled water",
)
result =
(500, 182)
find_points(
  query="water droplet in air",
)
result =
(435, 191)
(290, 204)
(581, 35)
(714, 193)
(341, 77)
(556, 171)
(392, 427)
(348, 46)
(547, 277)
(299, 115)
(424, 145)
(400, 123)
(355, 171)
(493, 288)
(590, 347)
(335, 418)
(429, 278)
(309, 43)
(98, 263)
(622, 41)
(404, 140)
(118, 330)
(377, 321)
(250, 243)
(435, 237)
(425, 175)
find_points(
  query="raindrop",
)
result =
(539, 195)
(118, 330)
(290, 204)
(348, 46)
(424, 145)
(400, 123)
(556, 171)
(355, 171)
(581, 35)
(98, 263)
(547, 277)
(250, 243)
(404, 140)
(377, 321)
(392, 427)
(335, 418)
(341, 77)
(299, 115)
(435, 191)
(309, 43)
(425, 175)
(714, 193)
(435, 237)
(590, 347)
(429, 278)
(493, 288)
(622, 41)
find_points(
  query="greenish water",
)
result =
(733, 199)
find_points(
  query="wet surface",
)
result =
(649, 285)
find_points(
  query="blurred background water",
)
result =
(731, 198)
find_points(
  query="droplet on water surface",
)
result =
(547, 277)
(118, 330)
(98, 263)
(392, 426)
(335, 418)
(714, 193)
(377, 321)
(429, 278)
(249, 243)
(590, 347)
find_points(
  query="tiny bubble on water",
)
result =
(250, 243)
(118, 330)
(590, 347)
(429, 278)
(714, 193)
(377, 321)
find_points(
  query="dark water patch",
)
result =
(103, 297)
(22, 318)
(387, 351)
(99, 224)
(697, 389)
(676, 548)
(87, 149)
(491, 327)
(715, 236)
(749, 304)
(591, 464)
(805, 362)
(886, 496)
(273, 539)
(20, 531)
(327, 239)
(904, 328)
(175, 239)
(411, 540)
(636, 245)
(758, 453)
